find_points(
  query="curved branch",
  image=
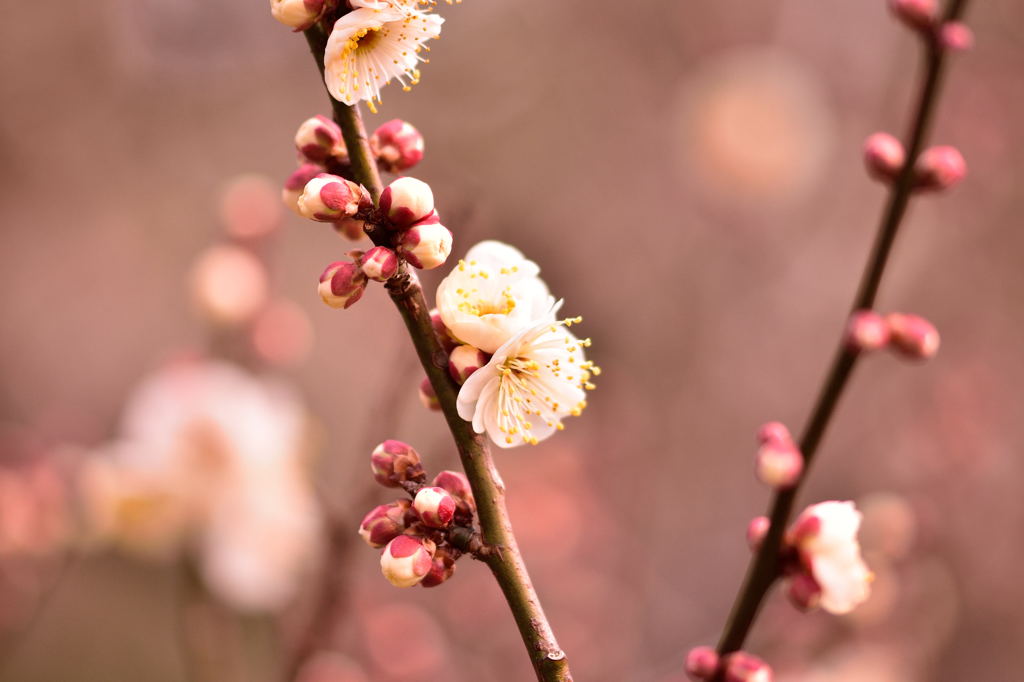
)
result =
(764, 567)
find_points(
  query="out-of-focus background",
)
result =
(687, 175)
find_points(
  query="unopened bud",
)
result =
(405, 201)
(956, 36)
(464, 360)
(458, 487)
(319, 138)
(804, 592)
(296, 182)
(379, 263)
(913, 336)
(297, 14)
(917, 14)
(426, 244)
(701, 664)
(773, 432)
(757, 529)
(394, 462)
(397, 145)
(428, 396)
(884, 156)
(435, 506)
(444, 337)
(866, 331)
(350, 228)
(384, 523)
(939, 168)
(407, 560)
(779, 465)
(442, 569)
(342, 283)
(327, 198)
(743, 667)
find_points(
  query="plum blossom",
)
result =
(375, 43)
(534, 380)
(491, 295)
(212, 458)
(825, 537)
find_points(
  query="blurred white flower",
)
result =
(491, 295)
(215, 457)
(530, 383)
(372, 45)
(825, 536)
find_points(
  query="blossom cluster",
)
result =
(210, 465)
(520, 367)
(421, 538)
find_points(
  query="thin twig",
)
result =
(549, 661)
(764, 568)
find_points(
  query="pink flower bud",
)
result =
(428, 396)
(884, 156)
(913, 336)
(384, 523)
(757, 529)
(379, 263)
(444, 336)
(296, 182)
(319, 138)
(464, 360)
(435, 506)
(282, 334)
(443, 568)
(341, 284)
(350, 228)
(407, 560)
(773, 432)
(327, 198)
(249, 207)
(779, 465)
(397, 145)
(297, 14)
(458, 487)
(939, 168)
(426, 244)
(917, 14)
(229, 285)
(394, 462)
(867, 331)
(804, 592)
(701, 663)
(405, 201)
(956, 36)
(743, 667)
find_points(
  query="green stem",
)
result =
(508, 567)
(764, 568)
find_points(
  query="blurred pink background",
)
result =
(688, 177)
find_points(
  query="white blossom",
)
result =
(825, 536)
(491, 295)
(530, 384)
(373, 44)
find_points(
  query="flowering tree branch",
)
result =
(549, 661)
(766, 566)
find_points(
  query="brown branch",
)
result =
(549, 661)
(764, 568)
